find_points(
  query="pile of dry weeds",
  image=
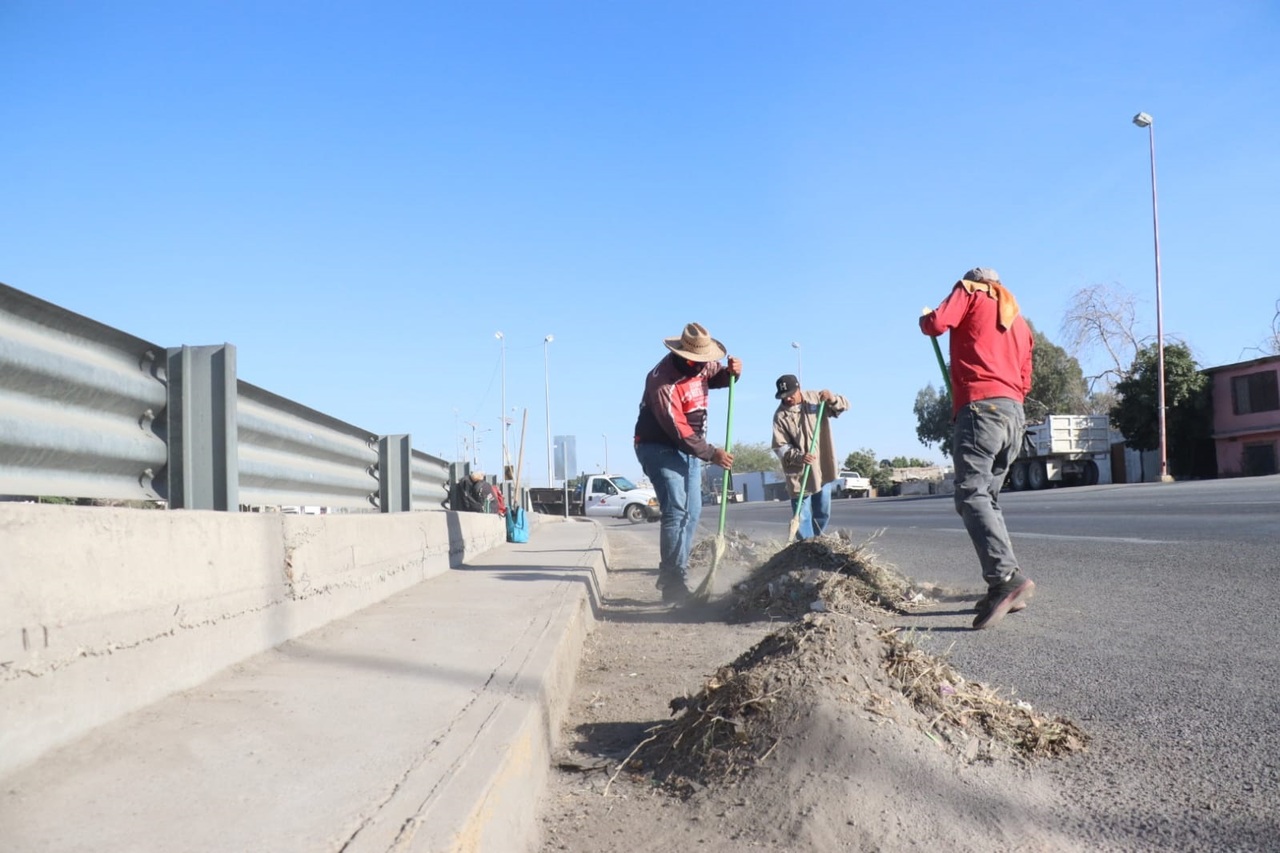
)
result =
(970, 715)
(827, 573)
(834, 651)
(751, 708)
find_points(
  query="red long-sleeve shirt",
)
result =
(673, 409)
(986, 361)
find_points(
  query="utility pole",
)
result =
(502, 342)
(475, 442)
(546, 377)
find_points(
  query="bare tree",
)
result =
(1269, 345)
(1103, 315)
(1272, 344)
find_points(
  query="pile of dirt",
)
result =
(833, 731)
(833, 651)
(759, 705)
(828, 573)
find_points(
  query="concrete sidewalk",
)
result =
(422, 723)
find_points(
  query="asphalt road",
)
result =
(1154, 626)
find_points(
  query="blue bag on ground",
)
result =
(517, 524)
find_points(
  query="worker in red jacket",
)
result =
(990, 374)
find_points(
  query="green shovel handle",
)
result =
(728, 442)
(942, 365)
(813, 445)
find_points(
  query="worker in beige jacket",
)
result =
(793, 426)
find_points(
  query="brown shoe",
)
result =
(984, 603)
(1002, 599)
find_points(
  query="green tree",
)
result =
(1188, 412)
(1058, 386)
(863, 461)
(933, 419)
(908, 462)
(748, 457)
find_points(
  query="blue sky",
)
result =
(359, 195)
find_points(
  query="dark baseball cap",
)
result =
(788, 384)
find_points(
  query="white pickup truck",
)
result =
(851, 484)
(607, 496)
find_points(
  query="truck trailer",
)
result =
(1072, 450)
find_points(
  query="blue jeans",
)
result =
(677, 481)
(814, 514)
(987, 438)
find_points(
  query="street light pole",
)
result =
(606, 452)
(546, 378)
(796, 346)
(1145, 120)
(475, 442)
(502, 343)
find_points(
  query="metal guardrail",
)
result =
(88, 411)
(290, 454)
(430, 480)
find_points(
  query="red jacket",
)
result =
(673, 409)
(986, 361)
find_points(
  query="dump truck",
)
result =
(607, 496)
(1071, 450)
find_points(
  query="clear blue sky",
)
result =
(358, 195)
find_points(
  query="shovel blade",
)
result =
(794, 528)
(718, 547)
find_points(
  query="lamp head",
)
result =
(548, 339)
(1142, 120)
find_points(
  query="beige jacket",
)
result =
(793, 433)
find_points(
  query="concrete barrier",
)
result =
(106, 610)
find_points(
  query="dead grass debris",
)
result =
(831, 572)
(750, 709)
(969, 712)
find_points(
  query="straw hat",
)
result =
(696, 344)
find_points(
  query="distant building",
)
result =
(751, 486)
(1246, 416)
(759, 486)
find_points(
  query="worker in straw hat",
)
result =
(671, 444)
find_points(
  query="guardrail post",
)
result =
(203, 469)
(394, 480)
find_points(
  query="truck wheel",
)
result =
(1018, 477)
(1037, 477)
(1091, 473)
(634, 513)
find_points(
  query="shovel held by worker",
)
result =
(703, 592)
(804, 476)
(937, 350)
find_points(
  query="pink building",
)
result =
(1246, 416)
